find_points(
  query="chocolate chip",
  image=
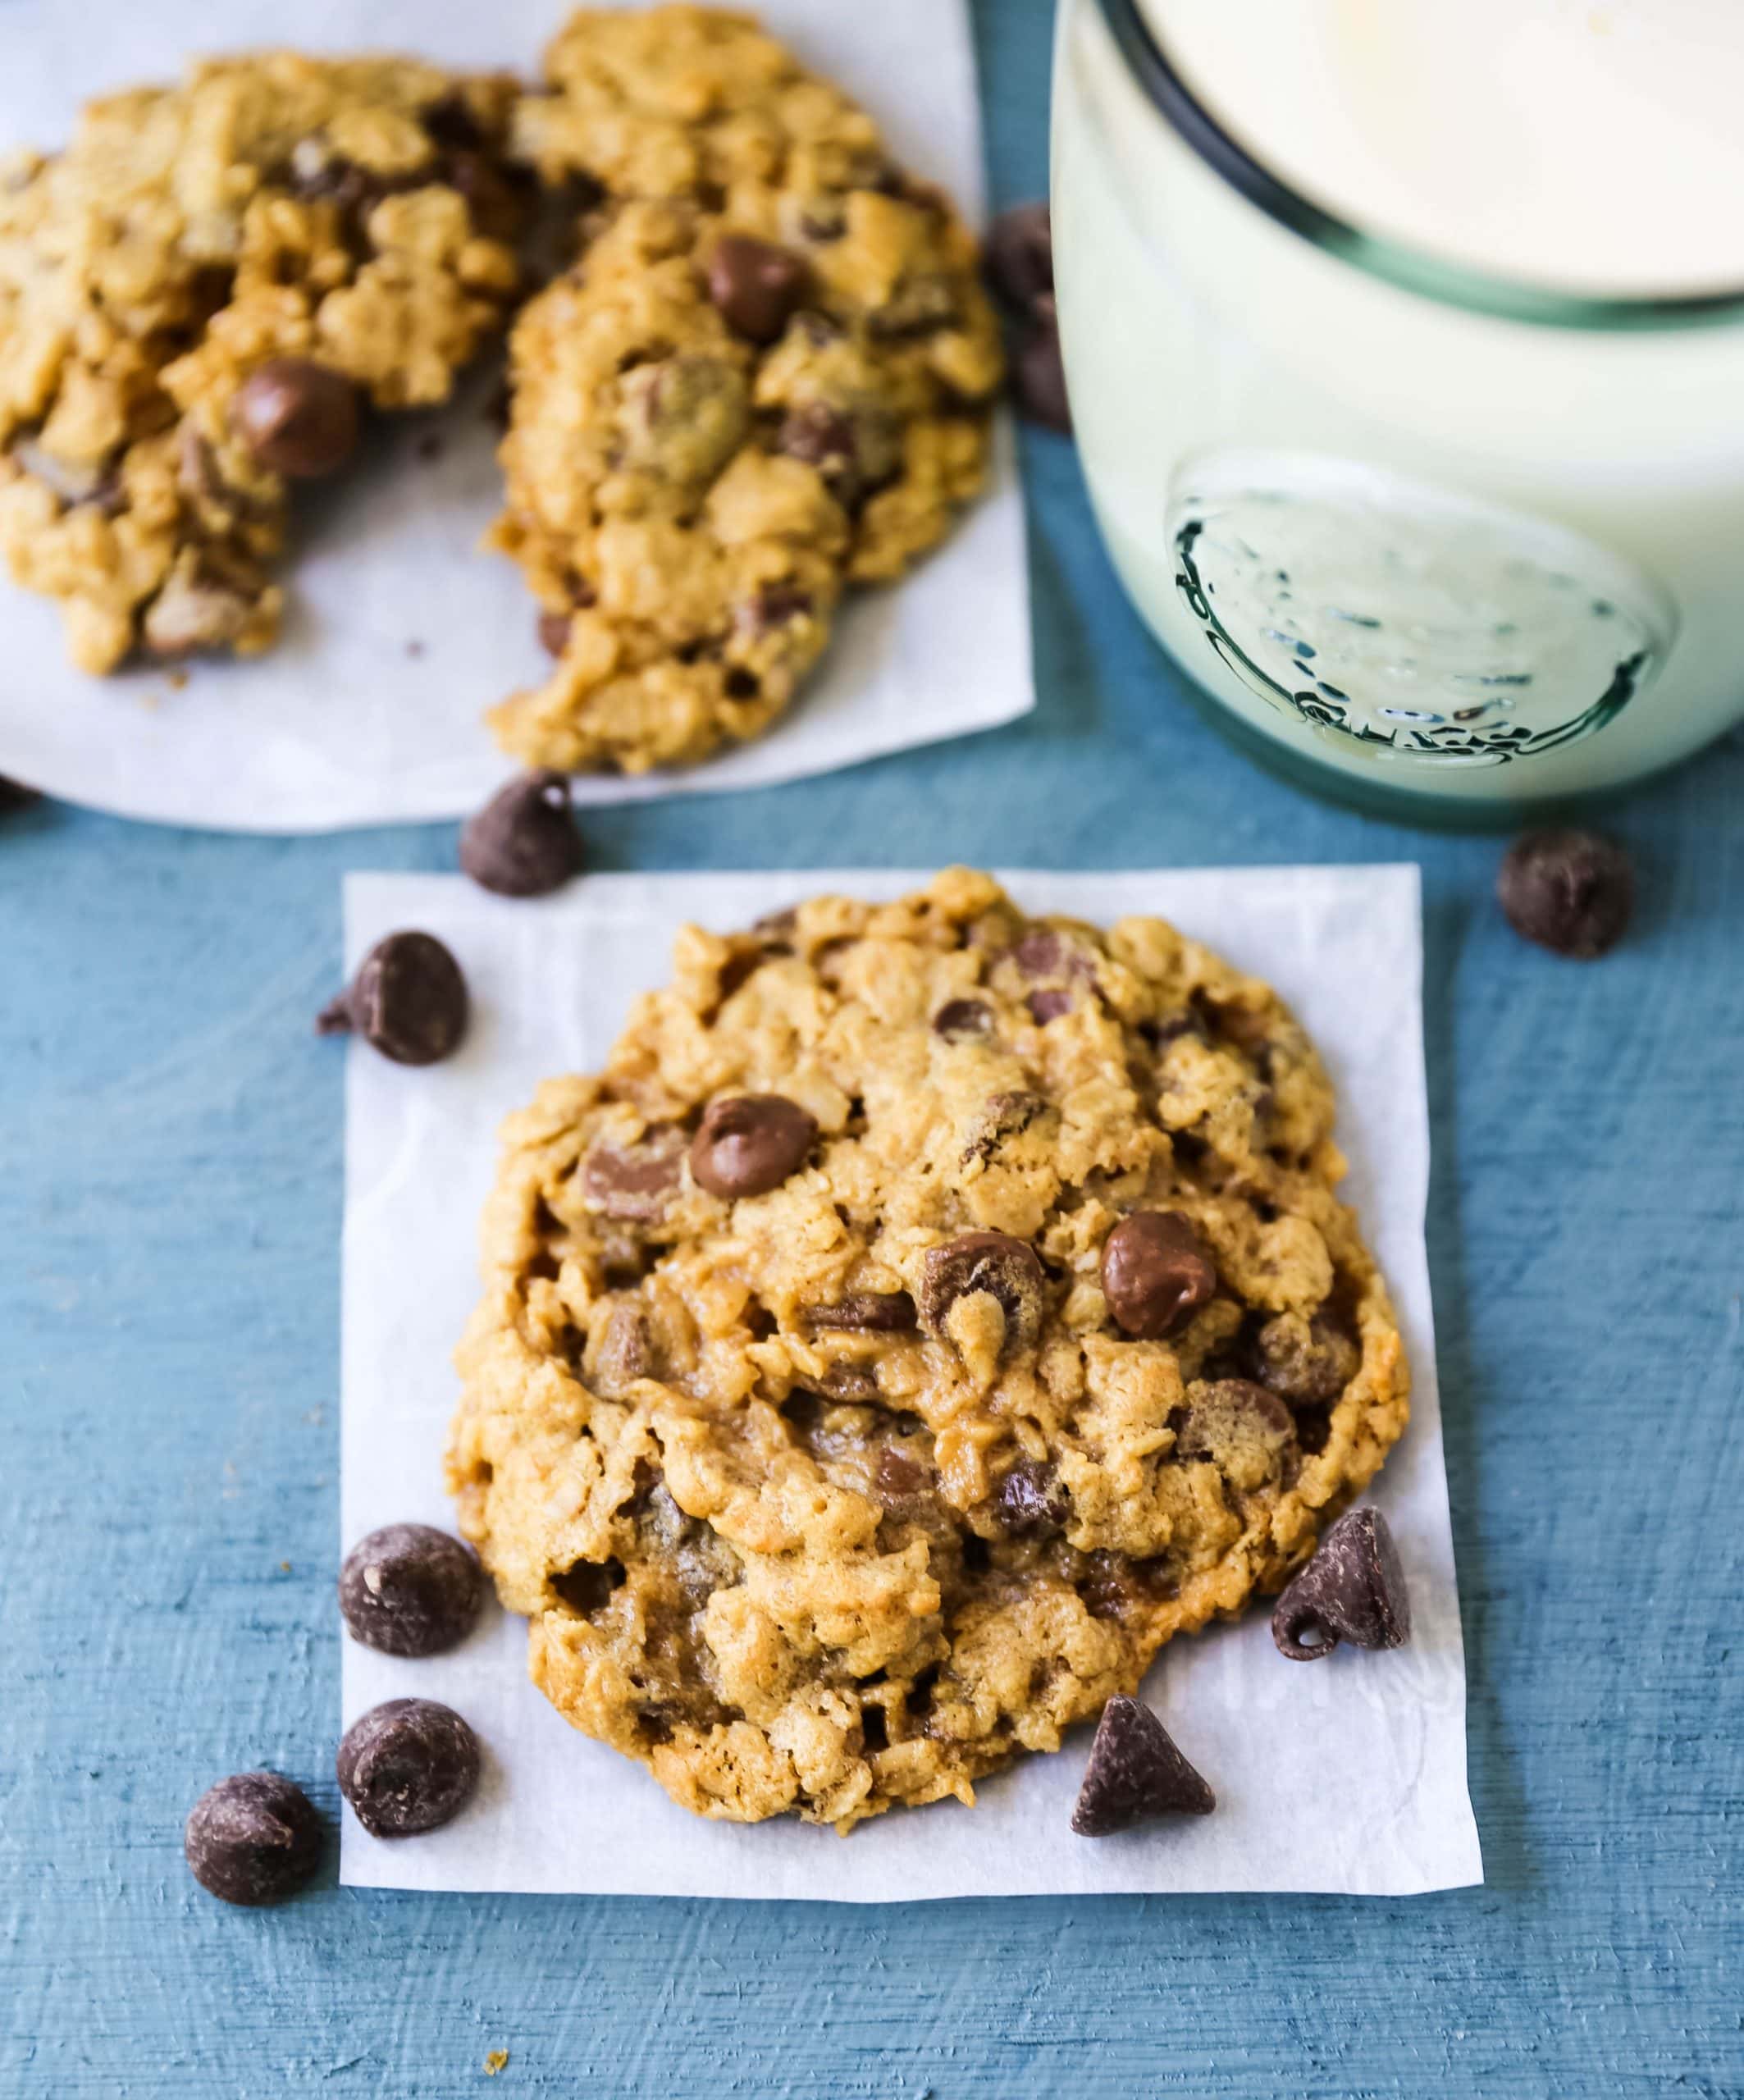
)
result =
(410, 1589)
(553, 631)
(14, 794)
(865, 1311)
(1308, 1363)
(1156, 1274)
(1005, 1268)
(1136, 1773)
(524, 842)
(1045, 1006)
(407, 1766)
(1030, 1503)
(1039, 378)
(777, 604)
(253, 1839)
(407, 1000)
(1569, 891)
(897, 1475)
(1041, 953)
(1353, 1590)
(960, 1021)
(1020, 255)
(751, 1144)
(635, 1181)
(1229, 1415)
(756, 286)
(1004, 1116)
(298, 417)
(819, 434)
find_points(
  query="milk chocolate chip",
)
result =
(756, 286)
(1007, 1269)
(1156, 1274)
(751, 1144)
(298, 417)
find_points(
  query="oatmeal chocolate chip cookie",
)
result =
(808, 1417)
(767, 377)
(198, 297)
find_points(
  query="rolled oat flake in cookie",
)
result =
(1571, 892)
(1156, 1274)
(298, 417)
(253, 1839)
(1353, 1590)
(407, 1766)
(751, 1144)
(1136, 1773)
(523, 841)
(408, 1000)
(410, 1589)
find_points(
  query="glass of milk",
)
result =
(1405, 341)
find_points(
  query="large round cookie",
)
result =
(347, 214)
(767, 377)
(842, 1446)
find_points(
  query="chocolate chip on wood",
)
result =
(410, 1589)
(408, 1000)
(1571, 892)
(407, 1766)
(1354, 1589)
(1136, 1773)
(1020, 255)
(253, 1839)
(523, 841)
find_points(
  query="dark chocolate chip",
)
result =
(1308, 1363)
(554, 632)
(1569, 891)
(1004, 1116)
(298, 417)
(407, 1000)
(1039, 378)
(960, 1021)
(450, 122)
(1030, 1503)
(1007, 1269)
(865, 1311)
(820, 435)
(523, 841)
(407, 1765)
(1228, 1414)
(1136, 1773)
(410, 1589)
(751, 1144)
(1156, 1274)
(1020, 255)
(1045, 1006)
(756, 286)
(897, 1475)
(635, 1181)
(1353, 1590)
(777, 604)
(253, 1839)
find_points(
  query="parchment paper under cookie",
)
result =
(1347, 1774)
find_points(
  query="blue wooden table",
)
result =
(170, 1156)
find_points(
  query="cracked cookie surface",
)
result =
(767, 378)
(328, 233)
(927, 1312)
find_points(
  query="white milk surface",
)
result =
(1596, 147)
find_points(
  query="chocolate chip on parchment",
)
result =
(524, 842)
(1136, 1773)
(1571, 892)
(756, 286)
(750, 1144)
(407, 1766)
(635, 1181)
(298, 417)
(254, 1838)
(1156, 1274)
(960, 1020)
(1354, 1589)
(865, 1311)
(1007, 1269)
(1038, 377)
(1030, 1503)
(408, 1000)
(1020, 255)
(410, 1589)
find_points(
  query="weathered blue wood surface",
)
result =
(169, 1206)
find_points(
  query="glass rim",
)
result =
(1394, 262)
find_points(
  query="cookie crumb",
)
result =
(498, 2060)
(178, 680)
(414, 649)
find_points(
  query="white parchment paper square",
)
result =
(1347, 1774)
(400, 632)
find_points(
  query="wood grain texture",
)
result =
(168, 1206)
